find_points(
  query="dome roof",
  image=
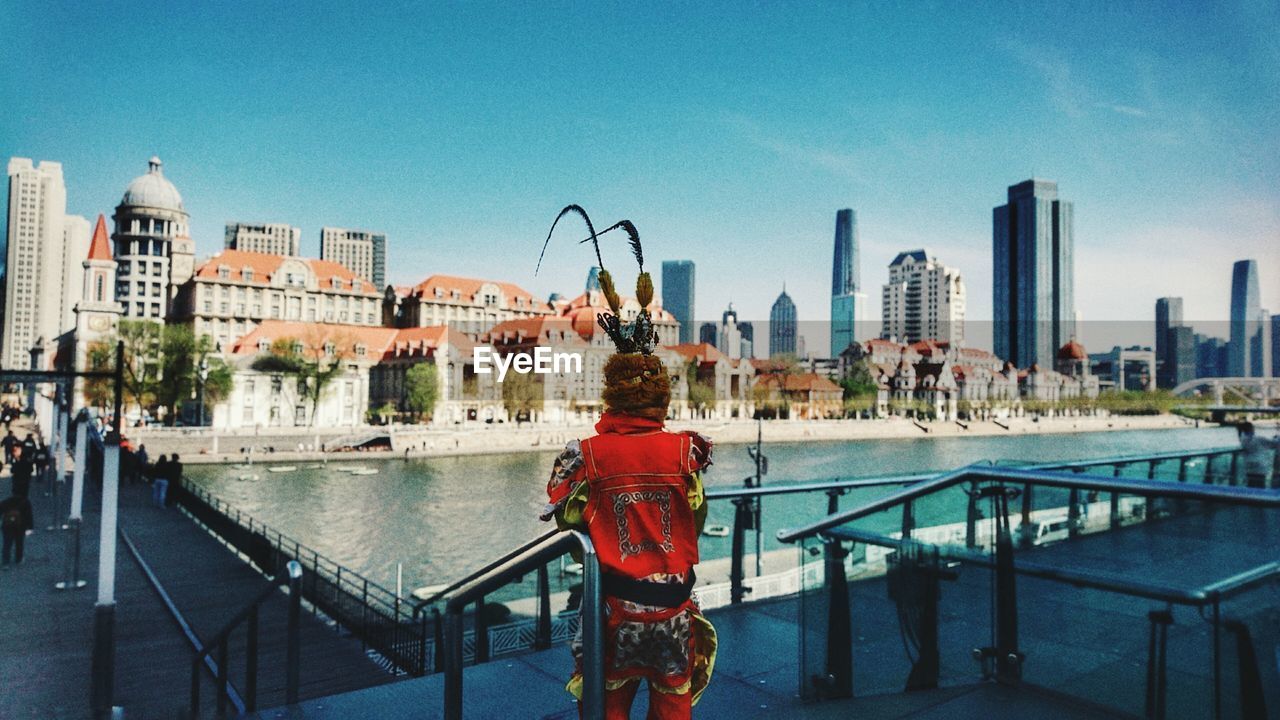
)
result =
(153, 190)
(1072, 351)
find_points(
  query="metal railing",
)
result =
(380, 618)
(1003, 659)
(221, 669)
(533, 556)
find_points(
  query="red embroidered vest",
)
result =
(637, 510)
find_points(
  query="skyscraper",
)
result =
(845, 282)
(677, 294)
(270, 238)
(782, 326)
(360, 251)
(923, 300)
(1168, 317)
(1242, 359)
(1275, 346)
(40, 289)
(707, 333)
(153, 248)
(1033, 274)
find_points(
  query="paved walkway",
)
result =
(46, 634)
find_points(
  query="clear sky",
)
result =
(729, 134)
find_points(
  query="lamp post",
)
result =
(202, 375)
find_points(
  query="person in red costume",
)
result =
(636, 489)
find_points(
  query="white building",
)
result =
(362, 251)
(470, 305)
(270, 238)
(43, 274)
(153, 246)
(923, 300)
(234, 291)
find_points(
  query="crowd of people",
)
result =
(164, 473)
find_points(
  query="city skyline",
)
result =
(1106, 129)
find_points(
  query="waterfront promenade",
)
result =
(46, 634)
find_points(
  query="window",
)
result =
(208, 306)
(247, 274)
(330, 349)
(98, 290)
(224, 307)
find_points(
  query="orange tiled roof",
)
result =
(379, 342)
(100, 248)
(803, 382)
(702, 352)
(266, 265)
(468, 288)
(534, 329)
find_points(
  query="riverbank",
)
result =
(205, 447)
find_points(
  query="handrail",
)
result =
(419, 604)
(1133, 486)
(539, 554)
(1196, 597)
(725, 493)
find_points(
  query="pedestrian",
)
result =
(636, 489)
(160, 481)
(41, 459)
(142, 459)
(175, 479)
(10, 442)
(16, 520)
(29, 446)
(22, 470)
(1257, 451)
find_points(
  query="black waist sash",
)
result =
(666, 595)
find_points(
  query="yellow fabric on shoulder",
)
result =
(569, 515)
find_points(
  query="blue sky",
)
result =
(729, 133)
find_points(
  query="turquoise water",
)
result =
(443, 517)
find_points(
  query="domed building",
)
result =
(1073, 361)
(153, 245)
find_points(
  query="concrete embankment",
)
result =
(292, 444)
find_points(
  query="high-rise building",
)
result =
(40, 289)
(1033, 274)
(923, 300)
(1169, 364)
(707, 333)
(362, 252)
(1245, 306)
(153, 247)
(1275, 346)
(1211, 356)
(677, 294)
(270, 238)
(730, 335)
(846, 283)
(782, 326)
(1261, 346)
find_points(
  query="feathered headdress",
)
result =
(639, 335)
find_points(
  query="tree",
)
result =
(314, 360)
(701, 394)
(142, 341)
(422, 388)
(100, 392)
(861, 391)
(522, 393)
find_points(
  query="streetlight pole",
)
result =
(104, 611)
(202, 375)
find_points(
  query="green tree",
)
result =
(182, 357)
(422, 389)
(142, 340)
(523, 392)
(100, 392)
(701, 394)
(314, 360)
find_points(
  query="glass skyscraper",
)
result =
(1033, 274)
(1243, 358)
(782, 326)
(677, 295)
(845, 282)
(1171, 366)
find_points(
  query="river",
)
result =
(443, 517)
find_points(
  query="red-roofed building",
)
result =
(807, 396)
(235, 290)
(470, 305)
(731, 379)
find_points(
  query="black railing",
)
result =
(219, 644)
(377, 616)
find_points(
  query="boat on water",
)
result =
(364, 471)
(282, 468)
(716, 531)
(247, 476)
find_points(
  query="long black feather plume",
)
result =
(575, 209)
(632, 234)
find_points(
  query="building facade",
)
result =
(234, 291)
(43, 254)
(1033, 276)
(153, 246)
(97, 313)
(923, 299)
(678, 295)
(846, 283)
(469, 305)
(270, 238)
(361, 251)
(782, 326)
